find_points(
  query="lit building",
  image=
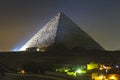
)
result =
(92, 66)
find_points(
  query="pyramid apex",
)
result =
(60, 14)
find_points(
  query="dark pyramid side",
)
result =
(71, 35)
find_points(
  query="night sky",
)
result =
(21, 19)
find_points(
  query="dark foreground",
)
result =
(10, 76)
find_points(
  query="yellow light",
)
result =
(92, 66)
(22, 72)
(72, 73)
(66, 70)
(101, 77)
(112, 77)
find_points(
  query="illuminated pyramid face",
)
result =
(62, 30)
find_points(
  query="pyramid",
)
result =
(61, 30)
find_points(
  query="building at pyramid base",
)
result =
(61, 32)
